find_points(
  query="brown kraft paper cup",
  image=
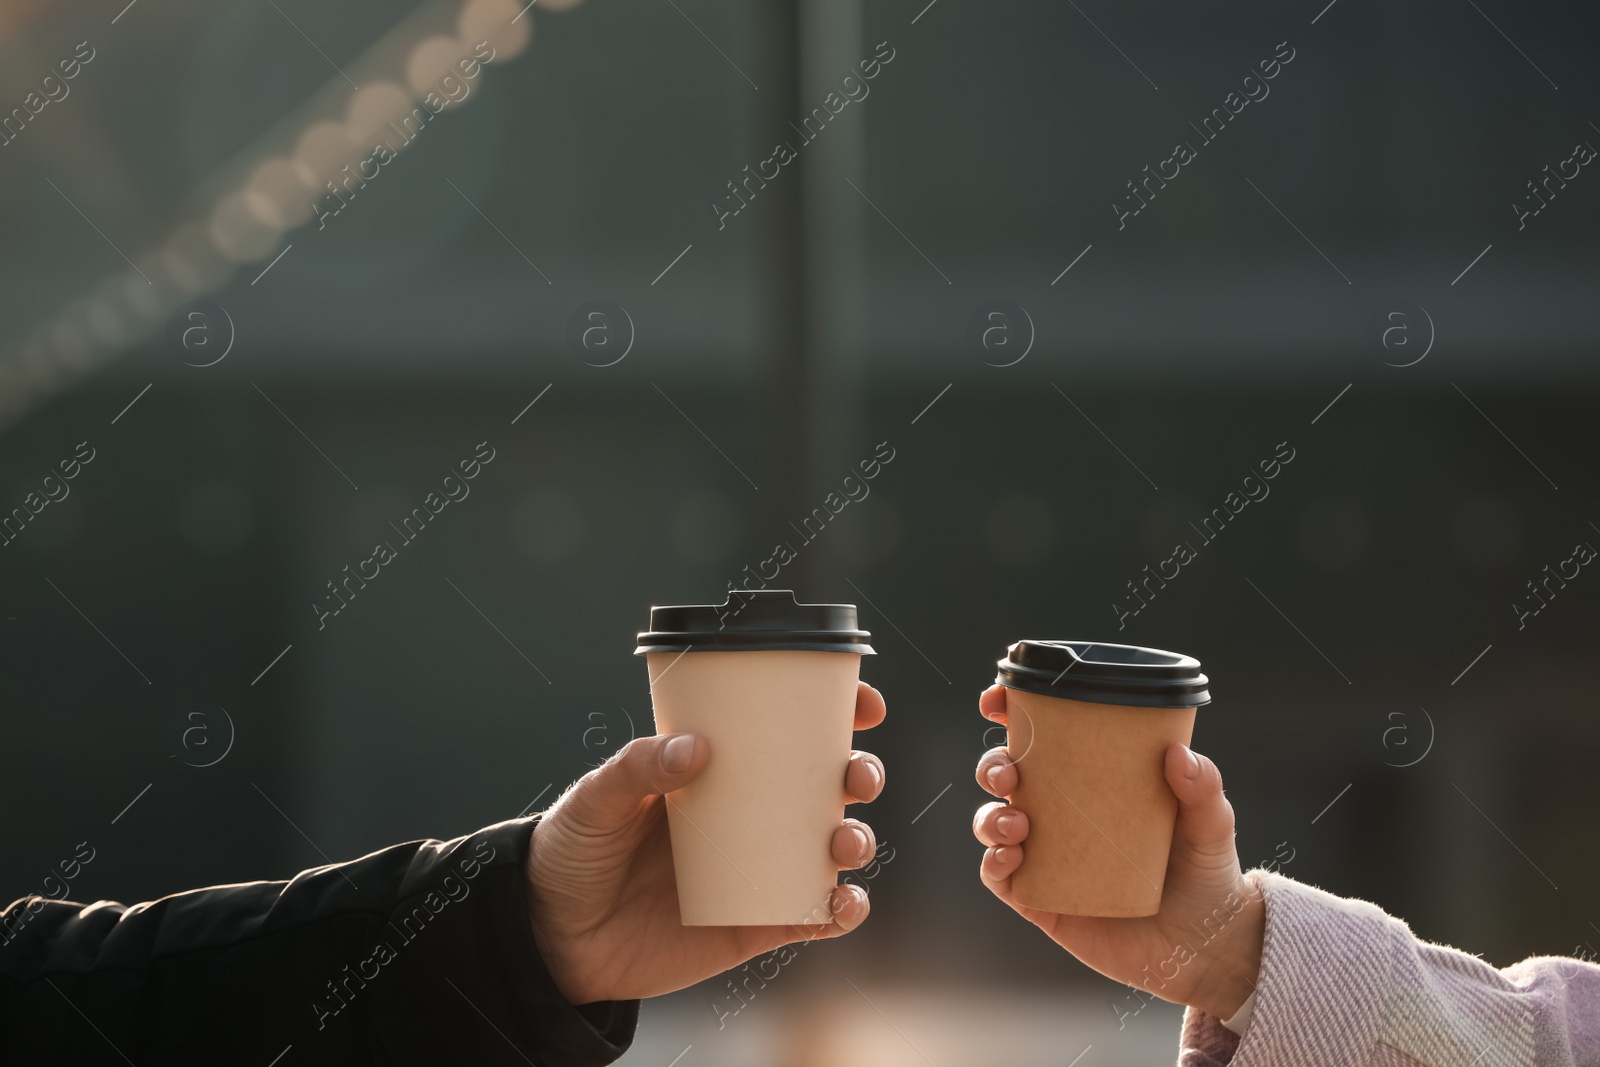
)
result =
(1091, 780)
(752, 835)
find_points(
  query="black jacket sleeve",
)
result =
(419, 954)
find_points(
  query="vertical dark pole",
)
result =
(783, 295)
(835, 281)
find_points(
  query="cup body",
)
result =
(1091, 780)
(752, 835)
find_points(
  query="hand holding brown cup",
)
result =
(1087, 725)
(1099, 822)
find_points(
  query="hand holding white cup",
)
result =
(772, 684)
(603, 894)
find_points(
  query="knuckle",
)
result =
(631, 752)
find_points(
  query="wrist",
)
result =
(1233, 958)
(544, 941)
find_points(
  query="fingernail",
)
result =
(677, 753)
(1006, 824)
(1001, 855)
(853, 894)
(1194, 764)
(861, 841)
(993, 776)
(874, 773)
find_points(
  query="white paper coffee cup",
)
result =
(771, 685)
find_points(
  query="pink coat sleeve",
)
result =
(1344, 983)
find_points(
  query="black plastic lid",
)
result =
(759, 620)
(1105, 674)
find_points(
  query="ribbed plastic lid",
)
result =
(1101, 673)
(761, 620)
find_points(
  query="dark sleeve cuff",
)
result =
(486, 996)
(587, 1034)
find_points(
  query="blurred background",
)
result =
(258, 344)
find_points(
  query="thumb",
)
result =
(1205, 818)
(612, 795)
